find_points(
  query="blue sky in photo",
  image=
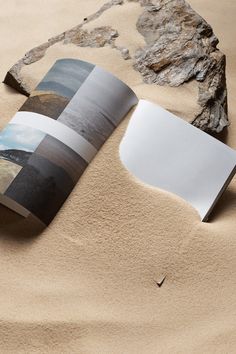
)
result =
(20, 137)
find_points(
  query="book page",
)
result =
(48, 144)
(164, 151)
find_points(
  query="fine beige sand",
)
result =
(87, 284)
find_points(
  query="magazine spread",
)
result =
(48, 144)
(50, 141)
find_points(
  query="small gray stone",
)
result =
(125, 53)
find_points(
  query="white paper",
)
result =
(165, 151)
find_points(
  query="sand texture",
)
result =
(168, 44)
(124, 268)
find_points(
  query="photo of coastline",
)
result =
(17, 142)
(46, 180)
(65, 77)
(81, 116)
(58, 86)
(98, 107)
(57, 132)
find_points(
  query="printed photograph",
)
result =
(48, 175)
(48, 104)
(62, 156)
(65, 77)
(9, 171)
(58, 130)
(41, 187)
(81, 115)
(56, 89)
(18, 142)
(98, 107)
(38, 171)
(80, 96)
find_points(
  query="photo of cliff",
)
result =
(47, 103)
(59, 85)
(17, 142)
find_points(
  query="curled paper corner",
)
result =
(162, 150)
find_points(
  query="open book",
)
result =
(50, 141)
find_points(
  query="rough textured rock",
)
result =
(213, 98)
(98, 37)
(180, 46)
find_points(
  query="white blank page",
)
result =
(165, 151)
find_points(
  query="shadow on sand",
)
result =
(17, 228)
(224, 204)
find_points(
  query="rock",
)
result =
(125, 53)
(14, 79)
(179, 46)
(213, 99)
(99, 37)
(96, 38)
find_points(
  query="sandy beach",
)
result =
(88, 283)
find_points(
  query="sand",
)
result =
(88, 283)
